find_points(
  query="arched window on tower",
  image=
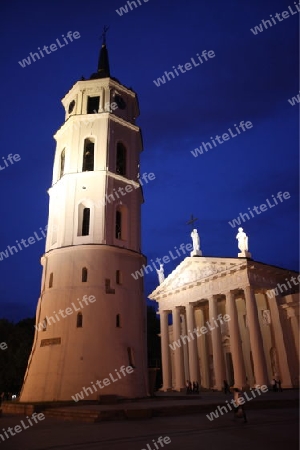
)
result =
(121, 222)
(118, 277)
(118, 321)
(84, 217)
(79, 320)
(118, 231)
(121, 159)
(86, 222)
(88, 156)
(84, 275)
(62, 163)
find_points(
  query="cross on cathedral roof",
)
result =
(192, 221)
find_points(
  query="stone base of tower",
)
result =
(94, 342)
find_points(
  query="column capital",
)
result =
(190, 307)
(179, 309)
(164, 311)
(231, 293)
(248, 288)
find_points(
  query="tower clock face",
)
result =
(71, 106)
(120, 101)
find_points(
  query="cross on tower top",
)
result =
(103, 35)
(192, 221)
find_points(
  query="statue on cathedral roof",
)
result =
(243, 243)
(196, 243)
(160, 273)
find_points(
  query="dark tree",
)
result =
(13, 360)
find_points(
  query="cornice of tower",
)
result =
(93, 247)
(135, 184)
(95, 86)
(73, 120)
(92, 174)
(124, 123)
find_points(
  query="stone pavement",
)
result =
(169, 404)
(273, 429)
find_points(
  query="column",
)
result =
(217, 347)
(178, 355)
(235, 342)
(193, 352)
(165, 351)
(294, 325)
(256, 341)
(102, 100)
(279, 344)
(205, 382)
(185, 349)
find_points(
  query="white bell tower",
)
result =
(91, 314)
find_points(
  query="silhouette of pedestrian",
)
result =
(226, 387)
(279, 388)
(274, 385)
(187, 384)
(239, 410)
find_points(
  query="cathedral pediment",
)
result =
(194, 270)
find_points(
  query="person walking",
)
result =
(278, 385)
(274, 385)
(239, 410)
(226, 387)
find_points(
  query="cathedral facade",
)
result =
(232, 319)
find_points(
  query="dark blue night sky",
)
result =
(250, 78)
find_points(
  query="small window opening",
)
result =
(51, 280)
(79, 320)
(84, 275)
(118, 277)
(118, 230)
(88, 156)
(86, 222)
(93, 105)
(121, 159)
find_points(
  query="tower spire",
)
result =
(103, 70)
